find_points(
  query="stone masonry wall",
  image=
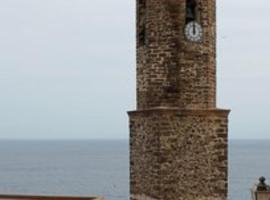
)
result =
(178, 154)
(170, 70)
(178, 138)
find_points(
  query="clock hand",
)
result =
(194, 28)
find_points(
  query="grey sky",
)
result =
(67, 67)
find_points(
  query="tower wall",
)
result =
(172, 71)
(178, 154)
(178, 138)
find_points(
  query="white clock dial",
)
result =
(194, 32)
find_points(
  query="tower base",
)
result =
(178, 154)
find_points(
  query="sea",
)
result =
(101, 167)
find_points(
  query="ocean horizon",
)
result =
(98, 167)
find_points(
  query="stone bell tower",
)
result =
(178, 138)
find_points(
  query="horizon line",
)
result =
(97, 139)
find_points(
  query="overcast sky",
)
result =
(67, 68)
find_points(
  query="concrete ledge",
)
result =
(34, 197)
(181, 112)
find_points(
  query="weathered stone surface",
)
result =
(178, 138)
(179, 154)
(172, 71)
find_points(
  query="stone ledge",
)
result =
(182, 112)
(34, 197)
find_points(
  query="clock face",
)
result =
(194, 32)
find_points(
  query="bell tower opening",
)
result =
(141, 23)
(192, 11)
